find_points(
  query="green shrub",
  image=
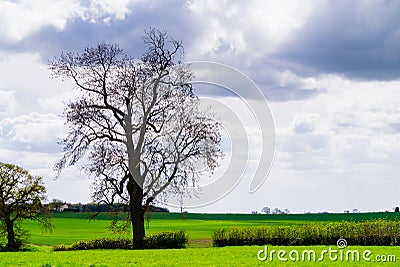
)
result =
(368, 233)
(166, 240)
(162, 240)
(61, 247)
(102, 243)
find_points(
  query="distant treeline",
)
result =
(60, 206)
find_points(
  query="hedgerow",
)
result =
(167, 240)
(164, 240)
(367, 233)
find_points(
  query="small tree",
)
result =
(21, 196)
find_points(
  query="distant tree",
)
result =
(266, 210)
(396, 209)
(355, 211)
(56, 204)
(286, 211)
(138, 123)
(276, 211)
(21, 196)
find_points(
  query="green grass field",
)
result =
(71, 227)
(227, 256)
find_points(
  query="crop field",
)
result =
(72, 227)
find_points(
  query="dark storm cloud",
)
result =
(267, 76)
(166, 16)
(275, 85)
(274, 93)
(172, 16)
(277, 93)
(311, 48)
(358, 39)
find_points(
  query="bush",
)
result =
(368, 233)
(162, 240)
(61, 248)
(167, 240)
(102, 243)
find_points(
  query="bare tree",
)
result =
(138, 123)
(21, 196)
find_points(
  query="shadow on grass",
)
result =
(6, 249)
(24, 248)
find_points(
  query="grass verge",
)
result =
(226, 256)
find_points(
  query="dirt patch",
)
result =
(200, 243)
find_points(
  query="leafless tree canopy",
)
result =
(137, 121)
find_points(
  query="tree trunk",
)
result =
(10, 234)
(137, 213)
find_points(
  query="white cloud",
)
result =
(287, 78)
(105, 9)
(233, 27)
(33, 132)
(305, 123)
(20, 19)
(55, 103)
(29, 87)
(72, 185)
(353, 122)
(8, 104)
(38, 163)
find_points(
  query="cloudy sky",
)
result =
(329, 70)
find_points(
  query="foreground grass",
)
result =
(227, 256)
